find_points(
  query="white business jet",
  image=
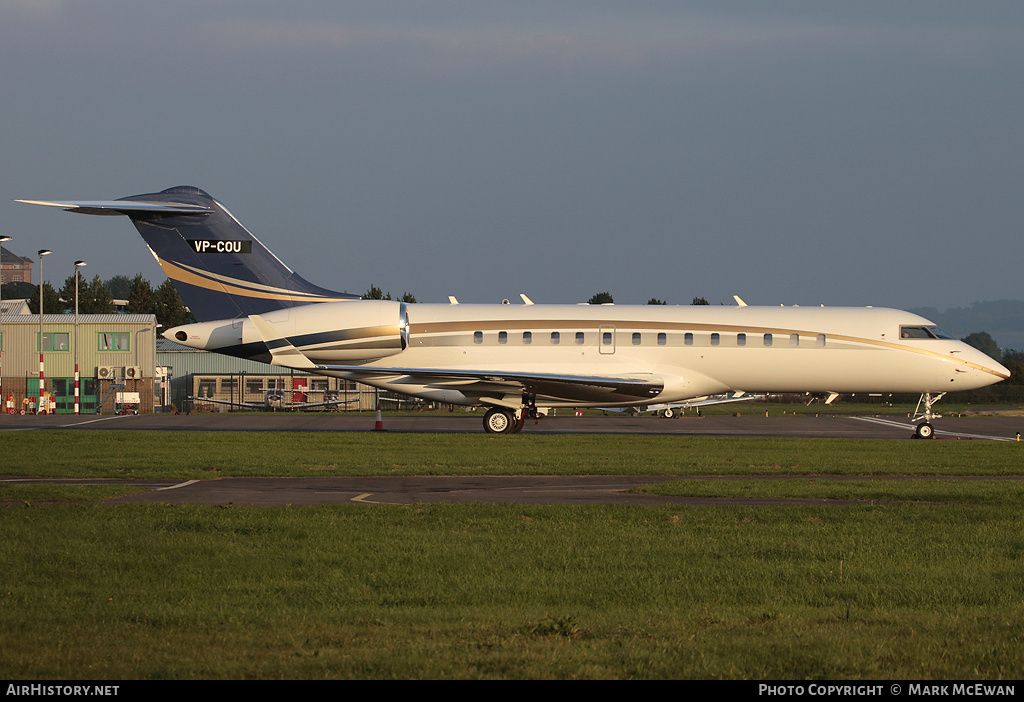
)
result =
(520, 360)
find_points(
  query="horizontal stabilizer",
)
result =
(123, 207)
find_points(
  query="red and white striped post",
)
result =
(78, 264)
(42, 375)
(3, 240)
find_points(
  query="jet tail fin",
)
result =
(220, 270)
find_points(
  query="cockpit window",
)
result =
(923, 333)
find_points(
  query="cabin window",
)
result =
(502, 337)
(741, 339)
(767, 339)
(555, 338)
(579, 338)
(478, 337)
(606, 338)
(688, 338)
(715, 339)
(794, 339)
(662, 339)
(636, 338)
(527, 337)
(821, 340)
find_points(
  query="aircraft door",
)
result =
(606, 339)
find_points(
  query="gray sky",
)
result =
(842, 153)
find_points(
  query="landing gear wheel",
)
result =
(518, 424)
(668, 413)
(499, 421)
(924, 431)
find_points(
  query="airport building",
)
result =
(14, 268)
(124, 366)
(116, 359)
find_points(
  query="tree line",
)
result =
(97, 296)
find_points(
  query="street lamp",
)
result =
(78, 264)
(42, 381)
(3, 240)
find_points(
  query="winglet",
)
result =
(282, 352)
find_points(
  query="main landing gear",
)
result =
(501, 420)
(925, 430)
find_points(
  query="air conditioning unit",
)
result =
(132, 372)
(106, 372)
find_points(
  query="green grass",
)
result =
(954, 491)
(195, 455)
(906, 591)
(922, 580)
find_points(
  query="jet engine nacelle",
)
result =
(329, 332)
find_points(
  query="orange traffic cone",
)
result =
(380, 423)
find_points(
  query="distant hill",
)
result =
(1002, 319)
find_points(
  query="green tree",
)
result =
(51, 301)
(17, 291)
(601, 298)
(67, 293)
(1014, 362)
(170, 309)
(656, 301)
(141, 298)
(408, 297)
(95, 298)
(119, 286)
(700, 301)
(375, 293)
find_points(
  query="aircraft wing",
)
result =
(265, 405)
(579, 388)
(233, 403)
(582, 388)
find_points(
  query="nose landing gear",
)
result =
(925, 430)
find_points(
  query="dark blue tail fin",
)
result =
(220, 270)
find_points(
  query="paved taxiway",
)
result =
(836, 426)
(408, 490)
(580, 490)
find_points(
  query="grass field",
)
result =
(923, 578)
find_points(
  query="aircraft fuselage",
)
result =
(693, 350)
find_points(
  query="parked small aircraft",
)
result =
(277, 399)
(520, 360)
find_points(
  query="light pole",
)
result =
(3, 240)
(42, 374)
(78, 264)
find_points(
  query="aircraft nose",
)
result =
(987, 369)
(998, 369)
